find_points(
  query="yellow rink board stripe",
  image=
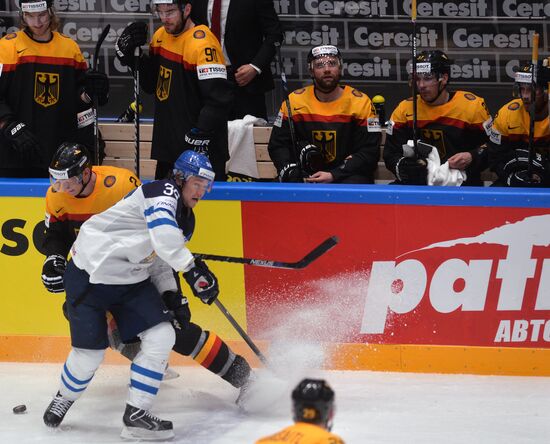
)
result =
(400, 358)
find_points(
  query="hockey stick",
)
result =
(286, 94)
(414, 87)
(534, 63)
(95, 62)
(314, 254)
(239, 329)
(137, 55)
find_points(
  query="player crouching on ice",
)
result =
(122, 261)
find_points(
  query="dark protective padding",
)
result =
(216, 358)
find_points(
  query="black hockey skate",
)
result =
(141, 424)
(244, 392)
(57, 410)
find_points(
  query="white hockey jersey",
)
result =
(121, 245)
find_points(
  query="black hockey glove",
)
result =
(52, 273)
(133, 36)
(178, 304)
(516, 170)
(311, 158)
(22, 140)
(96, 84)
(197, 140)
(290, 173)
(202, 281)
(410, 171)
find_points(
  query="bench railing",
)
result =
(120, 151)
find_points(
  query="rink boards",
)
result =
(422, 279)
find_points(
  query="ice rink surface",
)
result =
(372, 407)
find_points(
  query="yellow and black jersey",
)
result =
(65, 213)
(344, 127)
(510, 131)
(460, 125)
(302, 433)
(40, 84)
(188, 77)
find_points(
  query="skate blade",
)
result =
(170, 374)
(146, 435)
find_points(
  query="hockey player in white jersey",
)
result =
(122, 260)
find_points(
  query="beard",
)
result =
(327, 84)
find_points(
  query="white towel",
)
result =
(242, 154)
(441, 174)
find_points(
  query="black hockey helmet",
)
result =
(433, 61)
(35, 5)
(524, 74)
(70, 160)
(318, 52)
(313, 402)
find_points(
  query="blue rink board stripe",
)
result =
(359, 194)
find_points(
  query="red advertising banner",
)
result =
(401, 274)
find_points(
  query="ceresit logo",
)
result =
(461, 285)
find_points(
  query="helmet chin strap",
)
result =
(84, 185)
(439, 91)
(183, 22)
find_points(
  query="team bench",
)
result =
(119, 151)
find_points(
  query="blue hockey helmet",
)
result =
(191, 163)
(313, 402)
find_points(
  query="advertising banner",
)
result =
(404, 274)
(420, 279)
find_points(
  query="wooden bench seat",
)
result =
(119, 151)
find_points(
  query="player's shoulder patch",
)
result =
(513, 106)
(470, 96)
(356, 93)
(199, 34)
(299, 91)
(109, 181)
(10, 36)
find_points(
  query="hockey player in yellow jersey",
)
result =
(337, 132)
(509, 139)
(185, 70)
(45, 91)
(78, 192)
(313, 412)
(457, 123)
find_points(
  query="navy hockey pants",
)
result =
(135, 308)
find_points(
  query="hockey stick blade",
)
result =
(98, 45)
(313, 255)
